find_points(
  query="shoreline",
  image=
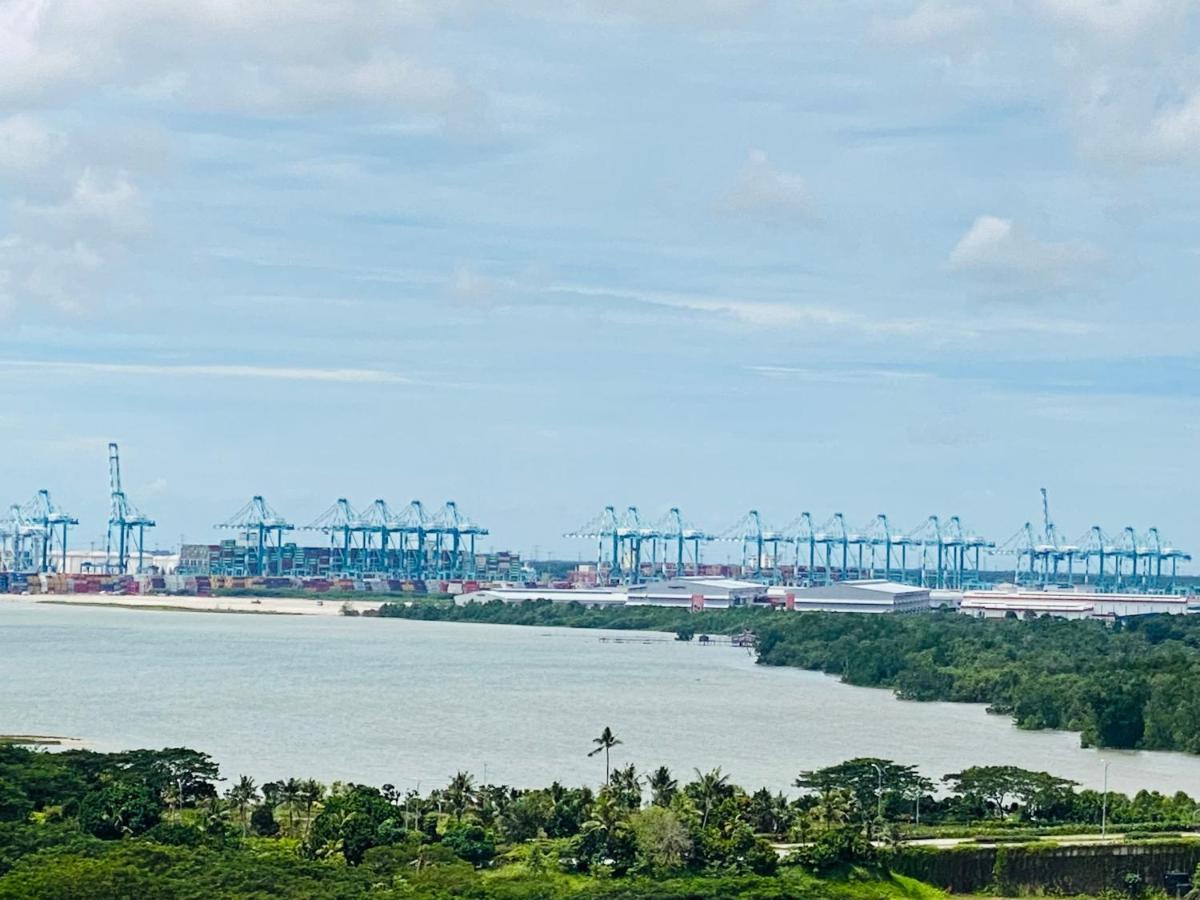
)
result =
(286, 606)
(48, 742)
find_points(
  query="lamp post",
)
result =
(1104, 804)
(879, 791)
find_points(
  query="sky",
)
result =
(540, 257)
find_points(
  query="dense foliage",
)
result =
(1132, 684)
(577, 615)
(154, 824)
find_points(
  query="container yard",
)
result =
(433, 549)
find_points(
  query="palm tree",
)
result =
(710, 786)
(662, 786)
(242, 795)
(310, 792)
(605, 742)
(461, 793)
(626, 787)
(834, 807)
(289, 795)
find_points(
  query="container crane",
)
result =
(341, 523)
(126, 523)
(604, 530)
(20, 537)
(379, 522)
(259, 522)
(458, 559)
(800, 532)
(676, 533)
(631, 535)
(750, 533)
(52, 523)
(414, 526)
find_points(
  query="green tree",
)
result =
(310, 792)
(119, 810)
(471, 842)
(663, 842)
(605, 743)
(241, 796)
(626, 787)
(663, 786)
(708, 789)
(461, 794)
(351, 823)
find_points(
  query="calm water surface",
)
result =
(385, 700)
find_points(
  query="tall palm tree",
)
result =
(289, 795)
(710, 786)
(605, 742)
(311, 791)
(242, 795)
(662, 786)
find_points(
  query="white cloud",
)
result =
(1174, 134)
(930, 22)
(833, 375)
(1118, 18)
(999, 248)
(702, 14)
(274, 57)
(63, 242)
(26, 144)
(754, 313)
(84, 369)
(763, 190)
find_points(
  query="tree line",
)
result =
(163, 824)
(1131, 684)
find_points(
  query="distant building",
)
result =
(586, 596)
(1072, 604)
(862, 596)
(698, 592)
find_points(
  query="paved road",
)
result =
(1066, 840)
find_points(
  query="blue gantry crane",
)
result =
(259, 523)
(341, 523)
(414, 526)
(454, 542)
(18, 542)
(677, 535)
(126, 523)
(377, 524)
(52, 524)
(604, 530)
(801, 533)
(760, 545)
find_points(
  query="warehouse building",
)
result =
(586, 596)
(1073, 604)
(863, 596)
(697, 593)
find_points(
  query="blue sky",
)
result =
(892, 257)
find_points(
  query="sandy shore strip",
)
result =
(43, 741)
(286, 606)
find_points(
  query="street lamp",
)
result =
(879, 791)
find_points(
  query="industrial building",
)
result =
(1072, 604)
(861, 596)
(697, 593)
(585, 596)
